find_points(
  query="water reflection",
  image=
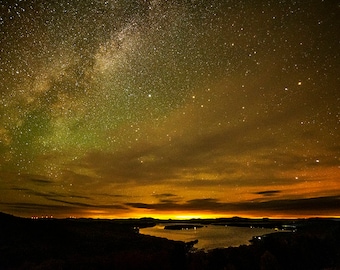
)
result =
(210, 236)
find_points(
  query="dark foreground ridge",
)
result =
(116, 244)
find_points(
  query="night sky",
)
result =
(182, 108)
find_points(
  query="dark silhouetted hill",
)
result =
(84, 244)
(116, 244)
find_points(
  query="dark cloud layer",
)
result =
(268, 192)
(316, 206)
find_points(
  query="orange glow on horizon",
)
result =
(187, 215)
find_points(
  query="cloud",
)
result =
(62, 208)
(268, 193)
(41, 181)
(89, 206)
(315, 205)
(73, 200)
(215, 154)
(248, 180)
(49, 195)
(111, 195)
(164, 195)
(196, 204)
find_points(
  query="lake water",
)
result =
(210, 236)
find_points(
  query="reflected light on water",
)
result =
(210, 236)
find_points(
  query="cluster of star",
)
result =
(219, 101)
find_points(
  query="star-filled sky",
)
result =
(182, 108)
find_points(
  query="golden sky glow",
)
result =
(174, 109)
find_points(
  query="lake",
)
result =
(209, 236)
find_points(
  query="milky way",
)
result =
(169, 108)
